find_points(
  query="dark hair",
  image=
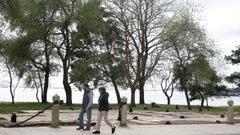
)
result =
(103, 89)
(86, 85)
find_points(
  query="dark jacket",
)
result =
(103, 102)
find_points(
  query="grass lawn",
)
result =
(8, 107)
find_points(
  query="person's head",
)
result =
(84, 86)
(102, 90)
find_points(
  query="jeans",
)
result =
(103, 114)
(89, 118)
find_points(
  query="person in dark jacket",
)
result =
(103, 107)
(86, 107)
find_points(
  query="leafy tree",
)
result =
(234, 58)
(103, 62)
(203, 80)
(49, 26)
(188, 41)
(33, 24)
(10, 65)
(77, 13)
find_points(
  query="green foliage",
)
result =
(202, 80)
(202, 70)
(186, 38)
(187, 41)
(100, 57)
(234, 78)
(12, 57)
(18, 49)
(234, 58)
(82, 72)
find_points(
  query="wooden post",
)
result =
(230, 112)
(55, 111)
(123, 110)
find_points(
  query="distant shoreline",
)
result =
(151, 95)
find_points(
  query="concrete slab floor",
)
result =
(203, 129)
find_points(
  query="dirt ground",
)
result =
(141, 117)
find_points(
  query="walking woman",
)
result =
(103, 110)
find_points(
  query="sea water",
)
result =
(151, 95)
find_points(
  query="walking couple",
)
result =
(103, 107)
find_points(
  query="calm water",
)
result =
(28, 95)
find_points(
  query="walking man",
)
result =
(103, 110)
(86, 107)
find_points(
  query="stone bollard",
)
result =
(230, 112)
(123, 109)
(55, 111)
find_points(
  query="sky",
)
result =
(221, 20)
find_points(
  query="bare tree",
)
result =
(167, 84)
(142, 23)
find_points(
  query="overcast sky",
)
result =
(221, 19)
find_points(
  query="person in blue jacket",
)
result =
(87, 103)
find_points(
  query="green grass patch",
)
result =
(6, 107)
(17, 107)
(182, 108)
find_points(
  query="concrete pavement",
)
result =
(203, 129)
(145, 117)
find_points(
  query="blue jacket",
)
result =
(87, 99)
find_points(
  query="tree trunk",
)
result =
(202, 99)
(188, 100)
(202, 102)
(37, 88)
(40, 82)
(11, 91)
(207, 103)
(45, 88)
(133, 104)
(68, 91)
(168, 97)
(116, 91)
(13, 99)
(66, 61)
(141, 94)
(47, 73)
(37, 91)
(183, 86)
(10, 81)
(67, 86)
(168, 100)
(187, 97)
(10, 86)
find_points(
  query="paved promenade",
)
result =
(204, 129)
